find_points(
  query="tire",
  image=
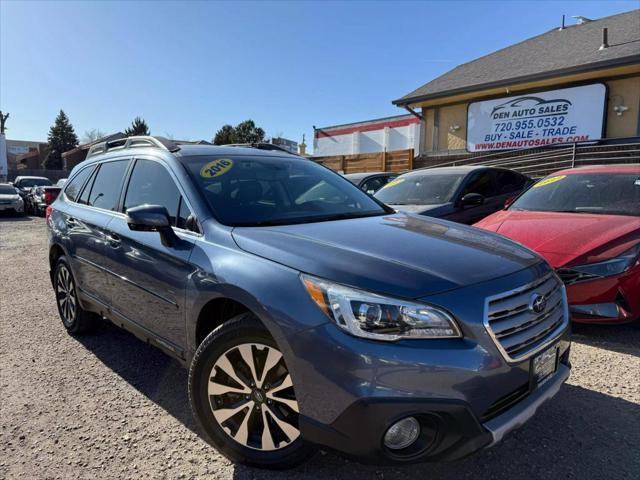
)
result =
(75, 319)
(234, 409)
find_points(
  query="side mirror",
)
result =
(471, 200)
(508, 202)
(152, 218)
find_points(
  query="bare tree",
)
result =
(3, 120)
(92, 135)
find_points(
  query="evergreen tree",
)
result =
(244, 132)
(61, 139)
(247, 132)
(138, 127)
(225, 136)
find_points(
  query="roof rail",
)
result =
(133, 142)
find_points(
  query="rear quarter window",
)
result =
(74, 187)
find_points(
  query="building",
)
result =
(371, 136)
(579, 83)
(289, 145)
(73, 157)
(25, 154)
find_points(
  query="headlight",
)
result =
(373, 316)
(615, 266)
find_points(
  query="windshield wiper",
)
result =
(576, 211)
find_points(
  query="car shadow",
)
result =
(616, 338)
(156, 375)
(581, 433)
(9, 217)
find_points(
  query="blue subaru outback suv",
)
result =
(309, 314)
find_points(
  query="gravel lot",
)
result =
(110, 406)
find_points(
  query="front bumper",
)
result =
(451, 431)
(523, 411)
(609, 300)
(13, 207)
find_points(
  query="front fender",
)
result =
(273, 292)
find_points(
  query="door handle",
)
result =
(113, 240)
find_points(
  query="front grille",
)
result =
(520, 332)
(569, 276)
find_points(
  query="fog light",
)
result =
(402, 434)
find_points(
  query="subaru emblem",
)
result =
(537, 303)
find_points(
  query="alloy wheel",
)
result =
(66, 296)
(252, 398)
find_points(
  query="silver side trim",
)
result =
(523, 411)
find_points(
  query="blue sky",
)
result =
(189, 67)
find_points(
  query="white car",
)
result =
(10, 200)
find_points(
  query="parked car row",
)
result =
(35, 194)
(584, 221)
(10, 199)
(316, 312)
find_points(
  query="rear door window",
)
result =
(509, 182)
(374, 184)
(105, 191)
(152, 184)
(72, 190)
(481, 183)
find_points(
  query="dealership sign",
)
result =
(537, 119)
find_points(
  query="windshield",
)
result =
(7, 190)
(430, 189)
(255, 191)
(34, 182)
(604, 193)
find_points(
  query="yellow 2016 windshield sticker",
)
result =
(217, 167)
(549, 181)
(393, 183)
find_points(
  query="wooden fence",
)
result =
(396, 161)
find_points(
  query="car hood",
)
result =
(567, 238)
(403, 255)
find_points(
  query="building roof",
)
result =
(367, 122)
(87, 146)
(574, 49)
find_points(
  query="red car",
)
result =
(586, 223)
